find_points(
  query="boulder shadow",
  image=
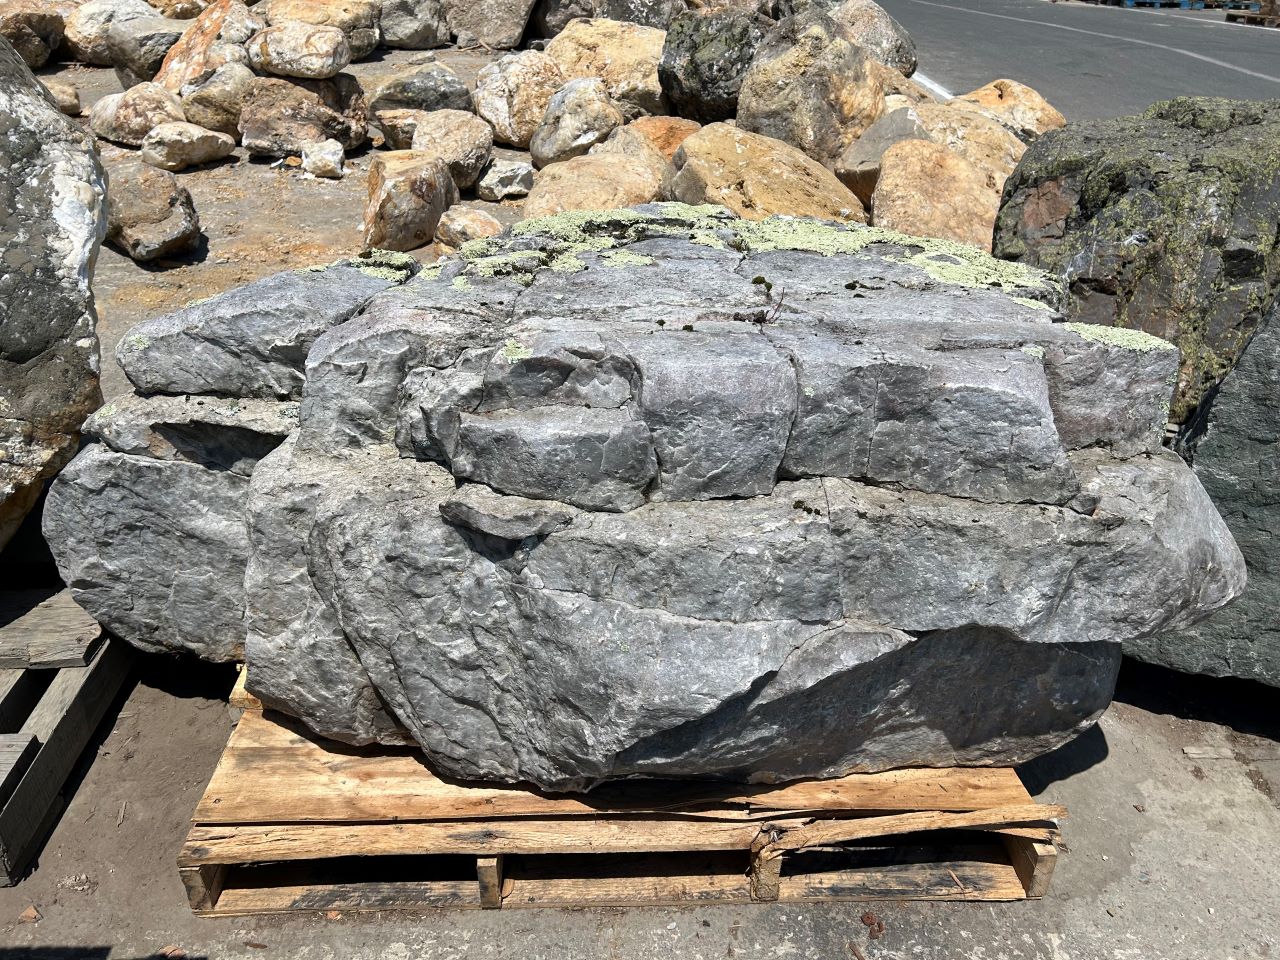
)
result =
(1246, 706)
(1085, 751)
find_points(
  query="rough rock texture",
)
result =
(498, 24)
(150, 214)
(137, 46)
(624, 55)
(358, 19)
(704, 58)
(859, 166)
(1233, 444)
(513, 93)
(215, 103)
(298, 49)
(1020, 108)
(34, 28)
(505, 180)
(928, 190)
(594, 182)
(408, 193)
(178, 145)
(551, 16)
(128, 117)
(1167, 222)
(881, 36)
(52, 220)
(414, 24)
(461, 224)
(430, 87)
(579, 116)
(809, 86)
(65, 95)
(252, 341)
(660, 492)
(757, 177)
(323, 158)
(278, 116)
(216, 37)
(459, 138)
(85, 36)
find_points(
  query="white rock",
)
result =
(178, 145)
(323, 158)
(505, 180)
(296, 49)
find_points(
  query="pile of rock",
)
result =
(652, 492)
(1169, 223)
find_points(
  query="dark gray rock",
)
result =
(1233, 444)
(431, 87)
(252, 341)
(704, 58)
(414, 24)
(498, 24)
(136, 46)
(151, 214)
(606, 497)
(551, 16)
(52, 219)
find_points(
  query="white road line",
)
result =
(1107, 36)
(933, 86)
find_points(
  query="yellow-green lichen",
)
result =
(389, 265)
(1034, 350)
(1035, 304)
(1122, 337)
(513, 351)
(623, 258)
(461, 283)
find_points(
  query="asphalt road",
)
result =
(1089, 60)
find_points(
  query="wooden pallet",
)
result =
(290, 822)
(47, 717)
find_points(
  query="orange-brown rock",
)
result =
(1017, 106)
(592, 182)
(665, 133)
(193, 58)
(624, 55)
(928, 190)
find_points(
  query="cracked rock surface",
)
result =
(662, 492)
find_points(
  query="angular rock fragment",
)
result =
(52, 220)
(505, 180)
(217, 37)
(877, 33)
(33, 28)
(1021, 109)
(432, 87)
(593, 182)
(278, 116)
(459, 138)
(408, 193)
(323, 158)
(580, 115)
(619, 494)
(178, 145)
(414, 24)
(512, 94)
(88, 25)
(150, 214)
(137, 46)
(927, 190)
(624, 55)
(497, 24)
(462, 224)
(215, 103)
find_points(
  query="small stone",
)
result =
(323, 158)
(65, 95)
(300, 50)
(624, 55)
(278, 116)
(704, 58)
(178, 145)
(928, 190)
(414, 24)
(881, 36)
(580, 115)
(1020, 108)
(408, 193)
(150, 215)
(809, 86)
(181, 9)
(128, 117)
(215, 103)
(460, 224)
(757, 177)
(593, 182)
(513, 94)
(87, 27)
(505, 180)
(459, 138)
(30, 915)
(430, 87)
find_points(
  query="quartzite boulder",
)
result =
(513, 93)
(624, 55)
(278, 116)
(34, 28)
(594, 182)
(215, 102)
(52, 220)
(1017, 106)
(215, 38)
(498, 24)
(928, 190)
(88, 25)
(358, 19)
(128, 117)
(580, 115)
(414, 24)
(1167, 222)
(430, 87)
(137, 46)
(408, 193)
(660, 492)
(297, 49)
(178, 145)
(459, 138)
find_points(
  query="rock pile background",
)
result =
(507, 507)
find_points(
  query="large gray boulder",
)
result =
(52, 220)
(659, 492)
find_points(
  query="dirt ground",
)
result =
(257, 217)
(1168, 857)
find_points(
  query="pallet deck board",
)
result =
(45, 632)
(291, 822)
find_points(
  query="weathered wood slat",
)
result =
(45, 632)
(271, 766)
(16, 753)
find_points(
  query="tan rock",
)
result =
(34, 27)
(460, 224)
(1017, 106)
(358, 19)
(460, 139)
(497, 24)
(982, 141)
(196, 56)
(180, 9)
(128, 117)
(630, 142)
(898, 86)
(65, 95)
(665, 133)
(593, 182)
(298, 49)
(757, 177)
(513, 93)
(278, 116)
(178, 145)
(87, 26)
(397, 126)
(810, 86)
(408, 194)
(215, 102)
(624, 55)
(928, 190)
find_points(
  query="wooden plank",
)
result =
(975, 874)
(236, 901)
(63, 722)
(17, 750)
(489, 874)
(1033, 861)
(240, 698)
(19, 692)
(273, 771)
(607, 881)
(54, 632)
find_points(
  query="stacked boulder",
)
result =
(52, 219)
(652, 492)
(1169, 223)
